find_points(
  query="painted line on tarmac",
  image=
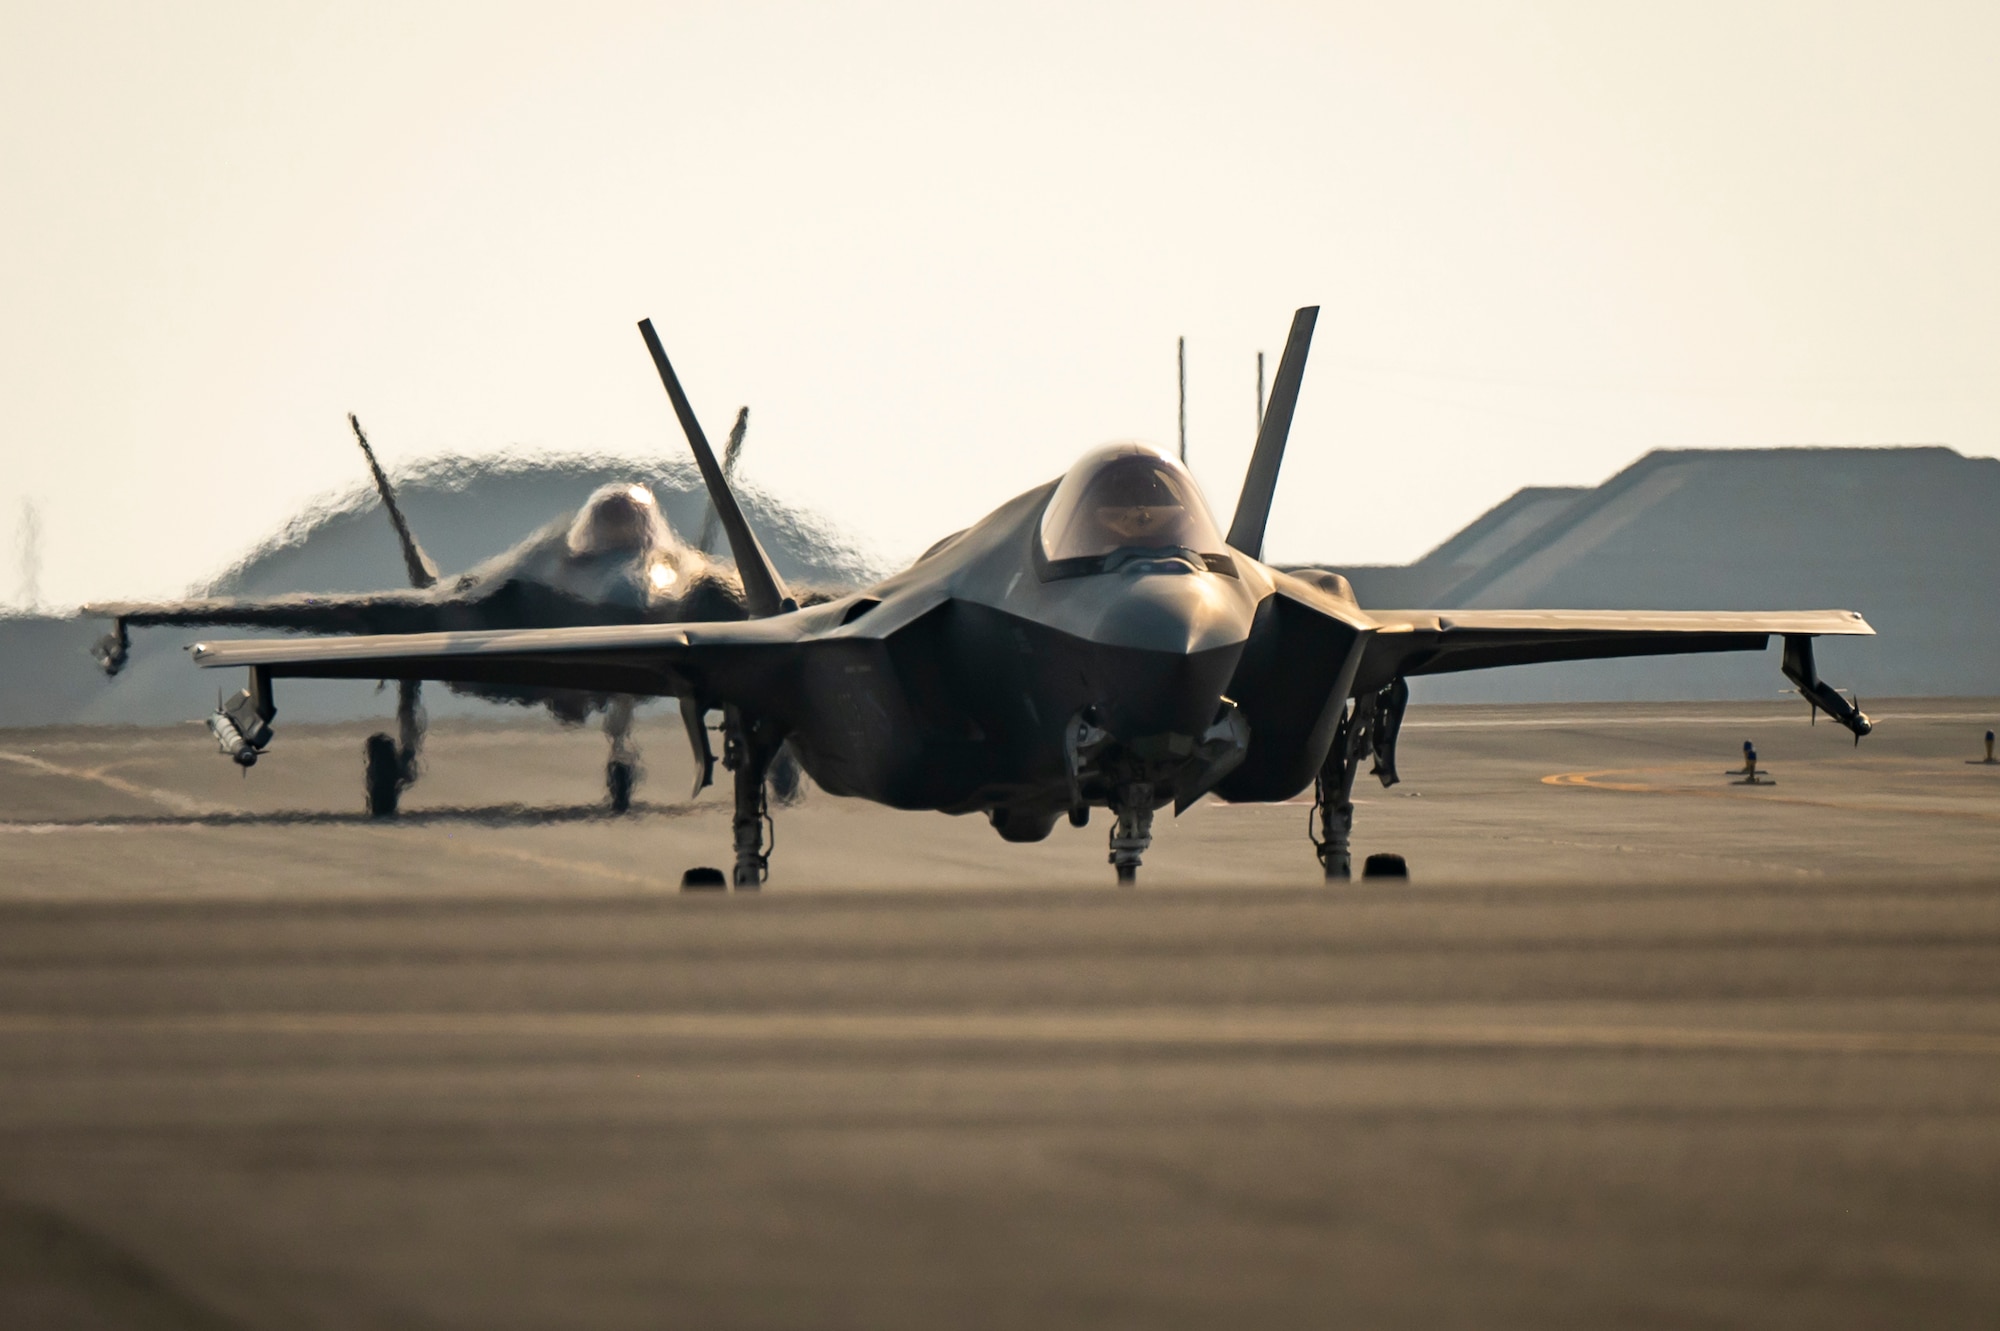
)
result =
(51, 829)
(174, 800)
(1594, 780)
(1286, 1027)
(558, 866)
(1667, 719)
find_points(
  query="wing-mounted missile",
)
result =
(730, 452)
(1387, 724)
(1253, 509)
(423, 573)
(242, 726)
(764, 591)
(1819, 695)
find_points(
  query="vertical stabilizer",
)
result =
(1253, 510)
(730, 452)
(763, 591)
(423, 573)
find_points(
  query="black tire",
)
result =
(619, 779)
(1385, 866)
(704, 879)
(1128, 875)
(1080, 816)
(384, 776)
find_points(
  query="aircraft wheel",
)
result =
(1385, 866)
(703, 879)
(1128, 875)
(618, 780)
(1080, 816)
(384, 776)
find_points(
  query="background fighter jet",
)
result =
(614, 561)
(1097, 641)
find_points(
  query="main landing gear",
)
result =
(621, 773)
(114, 649)
(390, 765)
(1370, 727)
(749, 747)
(763, 768)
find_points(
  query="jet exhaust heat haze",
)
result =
(616, 560)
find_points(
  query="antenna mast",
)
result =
(1180, 354)
(31, 555)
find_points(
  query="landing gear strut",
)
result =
(1370, 727)
(749, 746)
(114, 649)
(391, 764)
(1333, 797)
(621, 773)
(1131, 830)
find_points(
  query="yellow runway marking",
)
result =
(1285, 1027)
(1596, 780)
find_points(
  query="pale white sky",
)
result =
(942, 249)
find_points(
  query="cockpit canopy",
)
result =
(1128, 498)
(620, 519)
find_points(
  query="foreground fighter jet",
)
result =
(615, 561)
(1097, 641)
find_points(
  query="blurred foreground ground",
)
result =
(1635, 1047)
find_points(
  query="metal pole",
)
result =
(1180, 355)
(1260, 390)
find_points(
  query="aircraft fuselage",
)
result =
(985, 678)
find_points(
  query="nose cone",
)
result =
(1180, 613)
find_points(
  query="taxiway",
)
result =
(1632, 1048)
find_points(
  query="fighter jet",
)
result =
(614, 561)
(1097, 642)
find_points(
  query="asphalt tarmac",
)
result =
(1634, 1047)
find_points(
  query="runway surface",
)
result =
(1634, 1047)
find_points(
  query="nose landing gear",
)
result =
(1131, 830)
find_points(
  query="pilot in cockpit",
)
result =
(625, 521)
(1127, 497)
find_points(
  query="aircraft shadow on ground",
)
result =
(485, 815)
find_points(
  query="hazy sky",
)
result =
(942, 249)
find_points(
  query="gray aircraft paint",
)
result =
(981, 679)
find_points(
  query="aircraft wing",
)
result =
(1435, 642)
(360, 612)
(724, 662)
